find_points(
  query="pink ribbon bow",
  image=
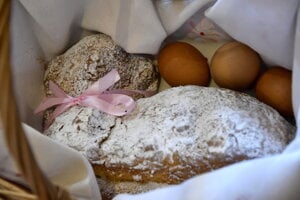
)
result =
(114, 102)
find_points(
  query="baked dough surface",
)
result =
(174, 135)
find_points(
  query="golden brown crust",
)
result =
(169, 174)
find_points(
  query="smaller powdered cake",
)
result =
(93, 57)
(174, 135)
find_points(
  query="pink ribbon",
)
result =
(114, 102)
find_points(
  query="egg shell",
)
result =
(180, 63)
(274, 87)
(235, 66)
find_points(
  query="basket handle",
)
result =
(15, 137)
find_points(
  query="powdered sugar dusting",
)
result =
(93, 57)
(180, 127)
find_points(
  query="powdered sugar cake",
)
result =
(174, 135)
(93, 57)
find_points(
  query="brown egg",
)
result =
(235, 66)
(274, 87)
(180, 63)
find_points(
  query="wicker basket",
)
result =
(40, 186)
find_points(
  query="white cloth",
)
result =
(133, 24)
(42, 29)
(62, 165)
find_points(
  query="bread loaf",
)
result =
(174, 135)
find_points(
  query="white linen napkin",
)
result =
(133, 24)
(62, 165)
